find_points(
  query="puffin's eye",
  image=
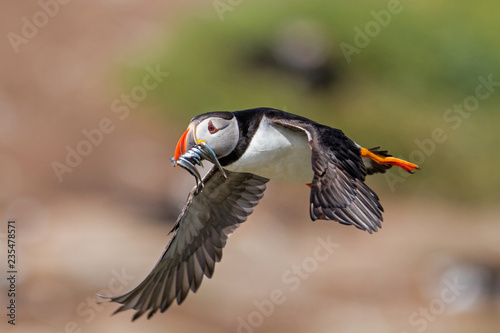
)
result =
(211, 128)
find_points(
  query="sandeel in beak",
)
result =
(193, 157)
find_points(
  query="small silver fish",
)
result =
(195, 156)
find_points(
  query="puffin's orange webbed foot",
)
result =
(389, 160)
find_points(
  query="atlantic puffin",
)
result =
(251, 147)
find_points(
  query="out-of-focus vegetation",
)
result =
(394, 91)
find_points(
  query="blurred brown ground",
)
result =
(113, 212)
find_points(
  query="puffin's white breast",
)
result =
(276, 152)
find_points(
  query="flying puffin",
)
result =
(251, 147)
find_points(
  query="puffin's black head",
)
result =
(217, 129)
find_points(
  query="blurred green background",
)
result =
(424, 60)
(101, 226)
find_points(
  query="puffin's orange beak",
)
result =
(182, 144)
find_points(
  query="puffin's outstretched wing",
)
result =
(338, 191)
(200, 233)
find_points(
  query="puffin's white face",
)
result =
(218, 129)
(220, 134)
